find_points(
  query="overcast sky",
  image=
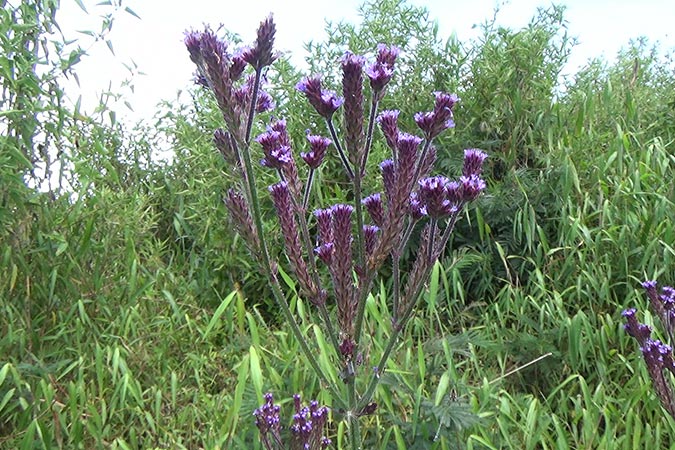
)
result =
(155, 42)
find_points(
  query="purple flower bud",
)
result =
(388, 121)
(407, 145)
(342, 267)
(201, 80)
(281, 197)
(243, 96)
(473, 162)
(308, 424)
(325, 253)
(649, 285)
(277, 157)
(370, 238)
(373, 204)
(324, 102)
(654, 301)
(347, 347)
(265, 102)
(318, 146)
(388, 177)
(387, 55)
(210, 55)
(639, 331)
(224, 142)
(454, 193)
(324, 218)
(352, 89)
(241, 217)
(280, 127)
(261, 54)
(276, 146)
(237, 66)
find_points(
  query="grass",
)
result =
(131, 317)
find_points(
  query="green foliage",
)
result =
(130, 316)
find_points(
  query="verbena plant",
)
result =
(335, 246)
(658, 355)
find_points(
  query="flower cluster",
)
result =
(306, 431)
(221, 70)
(269, 423)
(658, 356)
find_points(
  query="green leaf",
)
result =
(131, 11)
(81, 5)
(219, 312)
(256, 372)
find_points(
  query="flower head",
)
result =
(324, 102)
(472, 186)
(318, 146)
(638, 330)
(473, 162)
(382, 70)
(433, 195)
(261, 54)
(388, 121)
(373, 204)
(267, 418)
(434, 122)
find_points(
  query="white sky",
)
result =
(155, 43)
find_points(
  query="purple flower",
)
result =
(308, 424)
(242, 96)
(237, 66)
(324, 102)
(325, 252)
(639, 331)
(318, 146)
(342, 267)
(388, 177)
(268, 421)
(382, 70)
(276, 146)
(433, 195)
(434, 122)
(473, 162)
(388, 121)
(281, 197)
(415, 208)
(224, 142)
(212, 59)
(472, 186)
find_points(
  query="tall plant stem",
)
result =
(365, 279)
(338, 146)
